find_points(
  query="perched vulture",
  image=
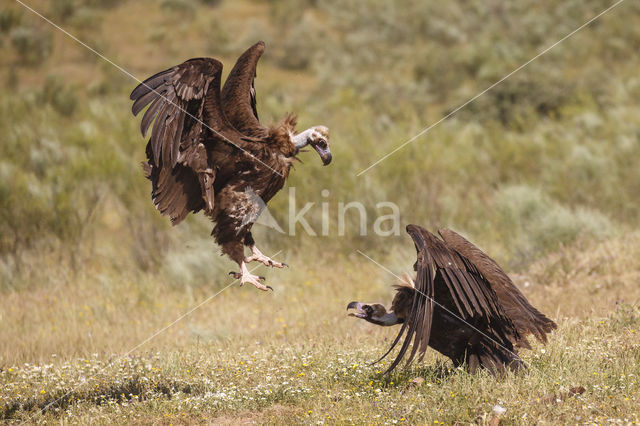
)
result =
(462, 304)
(208, 150)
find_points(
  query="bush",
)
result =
(181, 6)
(61, 10)
(541, 94)
(63, 99)
(285, 13)
(32, 44)
(535, 224)
(12, 79)
(300, 44)
(9, 18)
(86, 19)
(217, 38)
(212, 3)
(104, 4)
(444, 53)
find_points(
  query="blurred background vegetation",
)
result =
(541, 171)
(546, 159)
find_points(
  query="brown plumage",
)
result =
(208, 150)
(462, 304)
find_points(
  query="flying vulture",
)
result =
(462, 304)
(208, 150)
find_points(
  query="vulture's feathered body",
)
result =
(462, 304)
(208, 150)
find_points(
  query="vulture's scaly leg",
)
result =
(246, 277)
(257, 255)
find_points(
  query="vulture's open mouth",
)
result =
(374, 313)
(324, 153)
(362, 310)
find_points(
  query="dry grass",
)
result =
(294, 356)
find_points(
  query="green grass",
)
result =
(541, 172)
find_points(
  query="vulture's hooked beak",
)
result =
(360, 310)
(375, 314)
(324, 153)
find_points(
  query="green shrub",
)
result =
(61, 10)
(85, 19)
(32, 44)
(186, 7)
(212, 3)
(156, 34)
(104, 4)
(297, 48)
(542, 94)
(534, 223)
(285, 13)
(9, 18)
(62, 98)
(195, 266)
(12, 79)
(218, 40)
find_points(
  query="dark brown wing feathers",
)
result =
(184, 111)
(198, 158)
(526, 318)
(175, 192)
(471, 294)
(239, 94)
(417, 324)
(171, 94)
(462, 278)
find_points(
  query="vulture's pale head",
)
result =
(318, 138)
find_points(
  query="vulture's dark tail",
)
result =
(494, 358)
(175, 191)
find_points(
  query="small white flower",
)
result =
(499, 410)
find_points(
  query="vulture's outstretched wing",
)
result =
(239, 93)
(471, 294)
(182, 98)
(185, 109)
(526, 318)
(417, 324)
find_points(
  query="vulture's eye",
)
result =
(322, 143)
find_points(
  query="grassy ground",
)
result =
(294, 356)
(108, 315)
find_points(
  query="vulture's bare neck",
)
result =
(388, 319)
(302, 139)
